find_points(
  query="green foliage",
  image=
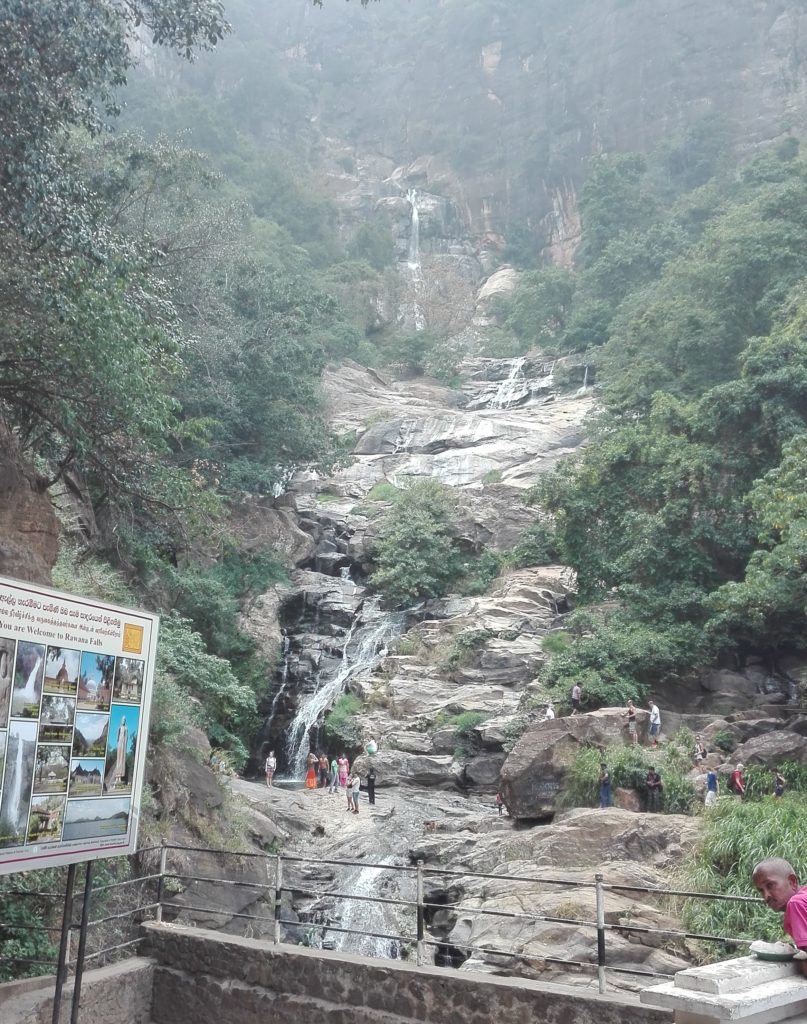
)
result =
(342, 729)
(383, 491)
(478, 574)
(373, 242)
(465, 645)
(724, 740)
(537, 546)
(19, 912)
(415, 556)
(556, 642)
(736, 836)
(628, 765)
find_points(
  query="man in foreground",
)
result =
(778, 885)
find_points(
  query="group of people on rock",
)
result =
(333, 775)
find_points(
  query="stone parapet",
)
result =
(204, 977)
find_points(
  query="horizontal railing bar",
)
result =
(647, 930)
(26, 960)
(514, 955)
(347, 931)
(218, 881)
(681, 892)
(125, 913)
(109, 949)
(29, 892)
(217, 913)
(120, 885)
(512, 916)
(350, 896)
(31, 927)
(451, 872)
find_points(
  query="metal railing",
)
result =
(175, 892)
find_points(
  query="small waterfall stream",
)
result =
(507, 390)
(365, 646)
(413, 259)
(366, 919)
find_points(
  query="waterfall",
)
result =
(413, 257)
(284, 682)
(29, 695)
(368, 915)
(16, 790)
(584, 388)
(506, 392)
(365, 647)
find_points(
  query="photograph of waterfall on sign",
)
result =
(56, 719)
(95, 681)
(17, 783)
(46, 819)
(7, 646)
(29, 672)
(3, 742)
(128, 685)
(121, 749)
(50, 771)
(61, 671)
(96, 819)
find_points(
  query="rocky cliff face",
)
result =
(499, 104)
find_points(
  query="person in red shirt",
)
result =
(778, 885)
(737, 782)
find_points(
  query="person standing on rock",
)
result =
(605, 786)
(349, 791)
(371, 785)
(712, 788)
(344, 768)
(334, 776)
(311, 774)
(737, 781)
(323, 771)
(655, 723)
(577, 696)
(270, 767)
(778, 885)
(549, 713)
(654, 787)
(630, 714)
(356, 789)
(779, 783)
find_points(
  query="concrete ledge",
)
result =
(205, 977)
(118, 994)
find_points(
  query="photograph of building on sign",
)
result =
(61, 670)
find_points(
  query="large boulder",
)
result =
(533, 775)
(396, 767)
(773, 749)
(29, 530)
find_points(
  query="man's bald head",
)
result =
(775, 881)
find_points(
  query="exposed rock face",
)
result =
(772, 749)
(416, 430)
(533, 775)
(29, 530)
(259, 525)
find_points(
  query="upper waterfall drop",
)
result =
(506, 392)
(413, 257)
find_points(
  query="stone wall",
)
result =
(202, 977)
(120, 994)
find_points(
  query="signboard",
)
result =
(75, 691)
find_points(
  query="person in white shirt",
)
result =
(270, 767)
(655, 723)
(549, 712)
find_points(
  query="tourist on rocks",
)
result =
(654, 789)
(778, 885)
(700, 751)
(630, 714)
(737, 781)
(372, 747)
(343, 766)
(371, 785)
(779, 783)
(334, 776)
(500, 803)
(549, 712)
(577, 696)
(270, 767)
(655, 723)
(712, 787)
(356, 788)
(605, 786)
(323, 771)
(349, 791)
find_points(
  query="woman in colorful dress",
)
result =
(344, 768)
(311, 777)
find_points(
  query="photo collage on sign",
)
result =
(69, 724)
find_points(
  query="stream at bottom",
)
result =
(366, 921)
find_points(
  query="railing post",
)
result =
(161, 882)
(278, 896)
(421, 919)
(82, 940)
(64, 943)
(600, 898)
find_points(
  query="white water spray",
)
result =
(510, 386)
(365, 646)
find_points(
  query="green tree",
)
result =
(415, 556)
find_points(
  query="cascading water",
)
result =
(582, 390)
(510, 386)
(365, 647)
(364, 920)
(16, 788)
(29, 694)
(284, 683)
(413, 257)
